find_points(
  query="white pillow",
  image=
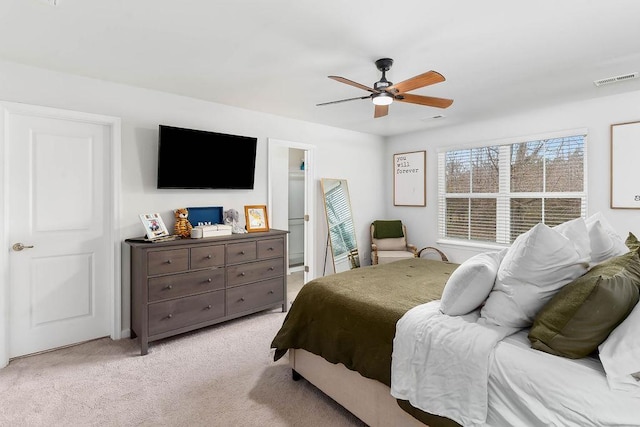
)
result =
(536, 266)
(470, 283)
(576, 231)
(620, 354)
(605, 241)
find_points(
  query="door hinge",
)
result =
(306, 268)
(306, 218)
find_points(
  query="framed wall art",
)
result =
(409, 179)
(256, 218)
(625, 153)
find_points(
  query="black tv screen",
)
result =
(189, 158)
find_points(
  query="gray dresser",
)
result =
(182, 285)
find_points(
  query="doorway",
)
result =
(61, 278)
(285, 160)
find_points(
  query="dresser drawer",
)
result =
(240, 252)
(247, 297)
(207, 256)
(252, 271)
(174, 314)
(183, 284)
(170, 261)
(271, 248)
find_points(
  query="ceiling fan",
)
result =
(385, 92)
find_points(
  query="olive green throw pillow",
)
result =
(632, 242)
(584, 312)
(387, 229)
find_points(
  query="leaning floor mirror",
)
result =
(341, 238)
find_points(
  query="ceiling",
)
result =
(498, 56)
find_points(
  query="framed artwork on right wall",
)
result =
(625, 155)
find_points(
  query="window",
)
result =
(496, 192)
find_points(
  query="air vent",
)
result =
(432, 118)
(616, 79)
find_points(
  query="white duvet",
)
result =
(481, 375)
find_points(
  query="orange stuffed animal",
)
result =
(183, 226)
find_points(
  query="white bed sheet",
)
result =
(528, 387)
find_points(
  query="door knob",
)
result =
(19, 246)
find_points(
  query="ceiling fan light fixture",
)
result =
(382, 99)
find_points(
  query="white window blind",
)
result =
(494, 193)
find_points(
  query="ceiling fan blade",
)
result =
(429, 101)
(380, 111)
(343, 100)
(352, 83)
(424, 79)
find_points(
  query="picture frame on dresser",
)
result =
(154, 227)
(256, 218)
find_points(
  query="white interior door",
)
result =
(60, 264)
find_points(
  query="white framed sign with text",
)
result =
(409, 179)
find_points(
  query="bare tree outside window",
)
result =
(485, 170)
(527, 167)
(540, 180)
(458, 171)
(564, 165)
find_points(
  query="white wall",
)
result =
(142, 110)
(597, 115)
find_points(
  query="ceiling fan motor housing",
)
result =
(384, 64)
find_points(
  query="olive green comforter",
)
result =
(350, 317)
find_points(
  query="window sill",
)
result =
(470, 245)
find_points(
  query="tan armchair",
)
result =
(389, 242)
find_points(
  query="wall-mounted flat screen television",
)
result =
(189, 158)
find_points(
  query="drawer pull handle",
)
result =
(271, 291)
(209, 280)
(242, 299)
(242, 274)
(168, 261)
(209, 257)
(241, 252)
(169, 316)
(271, 269)
(169, 287)
(270, 248)
(209, 307)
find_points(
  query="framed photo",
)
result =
(154, 226)
(256, 217)
(409, 179)
(625, 146)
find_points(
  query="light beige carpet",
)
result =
(223, 375)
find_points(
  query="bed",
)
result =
(339, 334)
(421, 341)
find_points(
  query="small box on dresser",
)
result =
(182, 285)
